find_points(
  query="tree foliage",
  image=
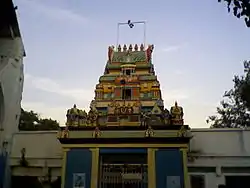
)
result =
(235, 107)
(240, 9)
(30, 121)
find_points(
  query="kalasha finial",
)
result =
(119, 48)
(142, 47)
(152, 47)
(74, 106)
(136, 47)
(130, 48)
(176, 103)
(124, 48)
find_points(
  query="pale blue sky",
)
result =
(198, 49)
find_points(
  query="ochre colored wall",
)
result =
(135, 93)
(117, 93)
(114, 72)
(138, 71)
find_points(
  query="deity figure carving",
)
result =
(176, 114)
(149, 52)
(96, 133)
(82, 117)
(166, 117)
(149, 132)
(69, 118)
(123, 109)
(75, 114)
(72, 116)
(65, 133)
(137, 104)
(110, 52)
(93, 105)
(130, 109)
(92, 117)
(117, 109)
(182, 132)
(145, 117)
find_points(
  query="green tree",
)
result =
(234, 110)
(245, 88)
(240, 9)
(30, 121)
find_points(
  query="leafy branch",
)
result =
(239, 8)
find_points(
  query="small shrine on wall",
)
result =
(127, 138)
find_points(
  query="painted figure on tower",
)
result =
(176, 114)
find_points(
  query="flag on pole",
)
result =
(130, 24)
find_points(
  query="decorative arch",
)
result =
(1, 106)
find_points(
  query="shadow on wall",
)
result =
(33, 182)
(1, 107)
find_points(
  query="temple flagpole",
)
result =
(131, 25)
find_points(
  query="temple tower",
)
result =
(127, 138)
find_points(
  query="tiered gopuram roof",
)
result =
(128, 93)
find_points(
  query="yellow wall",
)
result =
(151, 167)
(95, 167)
(108, 88)
(114, 72)
(146, 86)
(141, 71)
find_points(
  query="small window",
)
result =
(126, 94)
(128, 72)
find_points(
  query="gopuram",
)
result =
(128, 138)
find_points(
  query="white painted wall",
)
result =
(11, 86)
(211, 143)
(39, 145)
(218, 148)
(217, 144)
(220, 142)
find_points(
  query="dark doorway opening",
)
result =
(237, 181)
(197, 181)
(25, 181)
(126, 94)
(128, 72)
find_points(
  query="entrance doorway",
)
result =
(123, 171)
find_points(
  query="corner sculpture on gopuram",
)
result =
(128, 93)
(127, 138)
